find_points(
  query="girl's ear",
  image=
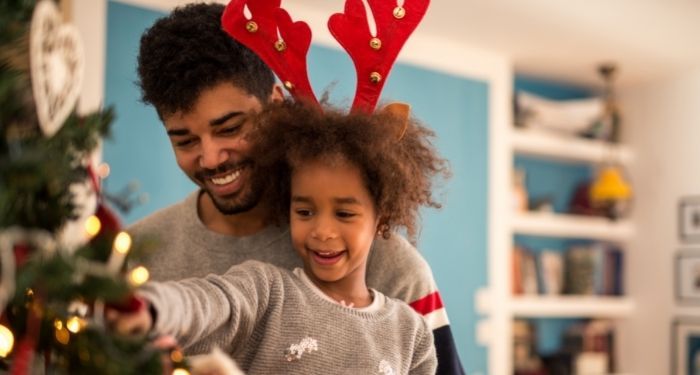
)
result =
(383, 229)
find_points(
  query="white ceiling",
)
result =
(567, 39)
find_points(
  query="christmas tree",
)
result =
(53, 295)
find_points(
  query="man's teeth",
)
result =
(226, 179)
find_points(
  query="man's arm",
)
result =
(397, 269)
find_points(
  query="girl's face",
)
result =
(333, 220)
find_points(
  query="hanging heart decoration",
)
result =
(57, 66)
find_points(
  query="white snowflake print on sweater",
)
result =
(295, 351)
(385, 368)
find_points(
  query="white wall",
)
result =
(662, 124)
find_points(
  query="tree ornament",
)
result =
(57, 66)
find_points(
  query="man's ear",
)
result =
(277, 93)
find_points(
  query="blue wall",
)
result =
(453, 239)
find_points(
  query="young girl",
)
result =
(340, 180)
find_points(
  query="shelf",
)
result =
(543, 144)
(571, 306)
(571, 226)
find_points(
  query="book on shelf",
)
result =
(587, 347)
(584, 269)
(594, 269)
(525, 273)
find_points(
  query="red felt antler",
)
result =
(374, 55)
(285, 53)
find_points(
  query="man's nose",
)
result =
(213, 155)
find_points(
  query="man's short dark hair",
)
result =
(187, 52)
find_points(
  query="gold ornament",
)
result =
(375, 43)
(375, 77)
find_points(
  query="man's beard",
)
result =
(242, 201)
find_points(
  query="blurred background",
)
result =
(567, 239)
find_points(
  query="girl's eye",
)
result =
(345, 214)
(303, 212)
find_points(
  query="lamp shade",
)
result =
(610, 185)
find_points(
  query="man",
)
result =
(204, 87)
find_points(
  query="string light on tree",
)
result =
(93, 226)
(7, 341)
(138, 276)
(75, 324)
(122, 244)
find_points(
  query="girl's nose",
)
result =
(324, 230)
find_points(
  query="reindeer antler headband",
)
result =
(283, 44)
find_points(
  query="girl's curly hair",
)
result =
(398, 173)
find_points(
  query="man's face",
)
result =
(210, 146)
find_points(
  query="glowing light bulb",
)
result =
(176, 356)
(7, 341)
(122, 243)
(103, 170)
(93, 225)
(58, 324)
(74, 324)
(138, 276)
(180, 371)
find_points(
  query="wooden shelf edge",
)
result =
(571, 226)
(571, 306)
(542, 144)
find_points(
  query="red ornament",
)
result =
(22, 252)
(23, 357)
(129, 305)
(110, 223)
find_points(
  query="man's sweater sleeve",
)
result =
(192, 309)
(397, 269)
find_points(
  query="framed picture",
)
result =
(689, 219)
(685, 348)
(687, 274)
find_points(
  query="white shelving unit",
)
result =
(571, 306)
(497, 302)
(571, 226)
(541, 144)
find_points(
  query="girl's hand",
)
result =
(132, 321)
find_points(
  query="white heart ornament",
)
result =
(57, 66)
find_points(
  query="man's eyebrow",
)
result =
(226, 117)
(178, 132)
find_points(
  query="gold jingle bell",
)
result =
(251, 26)
(399, 12)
